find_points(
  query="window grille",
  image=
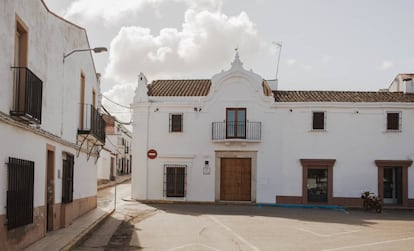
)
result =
(67, 179)
(176, 122)
(20, 192)
(393, 121)
(318, 122)
(175, 180)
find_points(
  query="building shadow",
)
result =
(357, 217)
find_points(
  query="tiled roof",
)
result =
(185, 87)
(341, 96)
(201, 87)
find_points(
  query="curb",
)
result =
(84, 233)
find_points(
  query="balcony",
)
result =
(28, 90)
(92, 125)
(243, 131)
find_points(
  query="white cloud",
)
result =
(205, 44)
(291, 61)
(113, 10)
(121, 94)
(386, 64)
(307, 67)
(326, 59)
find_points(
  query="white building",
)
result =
(116, 156)
(232, 138)
(50, 129)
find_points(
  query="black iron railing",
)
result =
(237, 130)
(92, 123)
(28, 90)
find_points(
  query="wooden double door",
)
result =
(235, 179)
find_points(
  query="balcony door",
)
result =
(236, 123)
(20, 60)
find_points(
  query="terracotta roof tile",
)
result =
(201, 87)
(341, 96)
(184, 87)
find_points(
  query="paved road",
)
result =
(111, 234)
(171, 227)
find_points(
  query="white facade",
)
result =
(49, 141)
(355, 136)
(115, 158)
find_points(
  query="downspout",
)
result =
(146, 159)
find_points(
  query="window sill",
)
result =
(318, 130)
(175, 198)
(393, 131)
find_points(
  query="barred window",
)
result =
(67, 178)
(176, 122)
(393, 121)
(174, 180)
(20, 192)
(318, 121)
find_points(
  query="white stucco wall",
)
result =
(104, 165)
(49, 38)
(355, 136)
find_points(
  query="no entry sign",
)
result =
(152, 154)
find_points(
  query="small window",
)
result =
(67, 178)
(174, 180)
(176, 122)
(20, 192)
(393, 121)
(318, 121)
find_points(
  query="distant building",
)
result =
(234, 138)
(115, 158)
(50, 124)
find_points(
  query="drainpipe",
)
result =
(146, 159)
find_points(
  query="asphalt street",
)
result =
(137, 226)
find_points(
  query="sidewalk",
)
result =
(69, 237)
(118, 180)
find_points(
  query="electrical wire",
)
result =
(124, 106)
(120, 122)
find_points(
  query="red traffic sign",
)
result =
(152, 154)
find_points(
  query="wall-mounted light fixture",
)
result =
(206, 168)
(197, 109)
(96, 50)
(156, 109)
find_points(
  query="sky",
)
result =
(326, 44)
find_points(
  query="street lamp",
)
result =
(96, 50)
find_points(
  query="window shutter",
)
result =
(318, 121)
(393, 121)
(67, 180)
(176, 122)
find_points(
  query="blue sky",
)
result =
(327, 44)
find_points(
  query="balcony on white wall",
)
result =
(236, 131)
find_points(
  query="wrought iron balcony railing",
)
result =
(243, 130)
(92, 123)
(28, 89)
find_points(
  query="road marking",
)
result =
(191, 245)
(328, 235)
(370, 244)
(247, 243)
